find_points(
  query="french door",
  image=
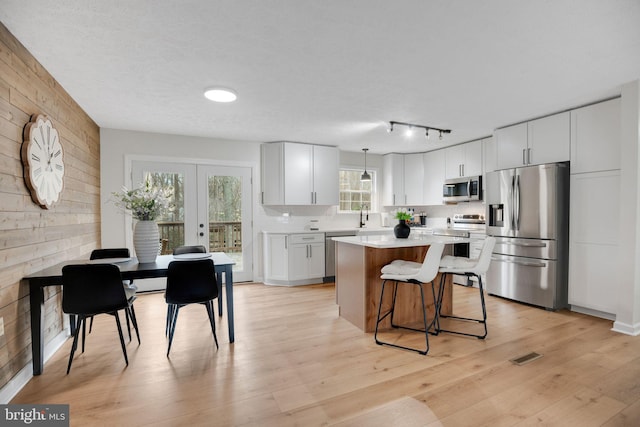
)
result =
(212, 207)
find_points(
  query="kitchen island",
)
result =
(359, 260)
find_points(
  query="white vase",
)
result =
(146, 241)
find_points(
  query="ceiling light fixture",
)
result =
(412, 126)
(365, 175)
(220, 94)
(409, 131)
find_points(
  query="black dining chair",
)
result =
(129, 288)
(181, 250)
(92, 289)
(190, 282)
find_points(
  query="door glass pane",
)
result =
(171, 225)
(225, 216)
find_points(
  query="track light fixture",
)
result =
(411, 127)
(365, 175)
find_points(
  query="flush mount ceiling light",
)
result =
(365, 175)
(220, 94)
(411, 127)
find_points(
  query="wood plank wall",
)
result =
(32, 238)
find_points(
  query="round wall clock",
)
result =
(43, 162)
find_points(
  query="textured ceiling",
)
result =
(330, 72)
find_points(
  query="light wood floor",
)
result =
(296, 362)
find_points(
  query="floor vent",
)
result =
(526, 358)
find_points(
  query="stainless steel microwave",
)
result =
(462, 189)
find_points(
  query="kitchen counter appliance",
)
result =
(528, 213)
(330, 253)
(462, 189)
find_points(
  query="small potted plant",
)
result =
(146, 204)
(402, 230)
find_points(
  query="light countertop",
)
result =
(356, 230)
(390, 241)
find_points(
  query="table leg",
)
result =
(228, 273)
(36, 299)
(219, 282)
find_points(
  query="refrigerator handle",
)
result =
(516, 206)
(512, 203)
(525, 263)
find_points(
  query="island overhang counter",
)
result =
(359, 260)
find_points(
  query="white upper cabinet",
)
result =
(545, 140)
(511, 146)
(433, 177)
(463, 160)
(299, 174)
(271, 173)
(414, 179)
(489, 155)
(595, 137)
(326, 175)
(403, 179)
(393, 182)
(550, 139)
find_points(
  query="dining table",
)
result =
(130, 269)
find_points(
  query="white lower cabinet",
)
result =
(306, 257)
(293, 259)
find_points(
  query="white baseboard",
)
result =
(624, 328)
(25, 374)
(592, 312)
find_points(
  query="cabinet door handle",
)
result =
(310, 251)
(262, 197)
(524, 155)
(286, 239)
(528, 156)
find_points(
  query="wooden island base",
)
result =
(358, 286)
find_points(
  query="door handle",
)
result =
(524, 160)
(528, 156)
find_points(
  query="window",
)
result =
(355, 193)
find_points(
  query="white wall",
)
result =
(116, 146)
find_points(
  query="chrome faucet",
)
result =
(364, 206)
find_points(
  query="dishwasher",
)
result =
(330, 253)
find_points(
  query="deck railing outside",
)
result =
(225, 236)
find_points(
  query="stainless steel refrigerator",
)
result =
(528, 213)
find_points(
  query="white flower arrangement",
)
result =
(146, 203)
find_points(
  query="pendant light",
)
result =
(365, 175)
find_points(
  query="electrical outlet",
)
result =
(1, 326)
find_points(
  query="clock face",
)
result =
(43, 161)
